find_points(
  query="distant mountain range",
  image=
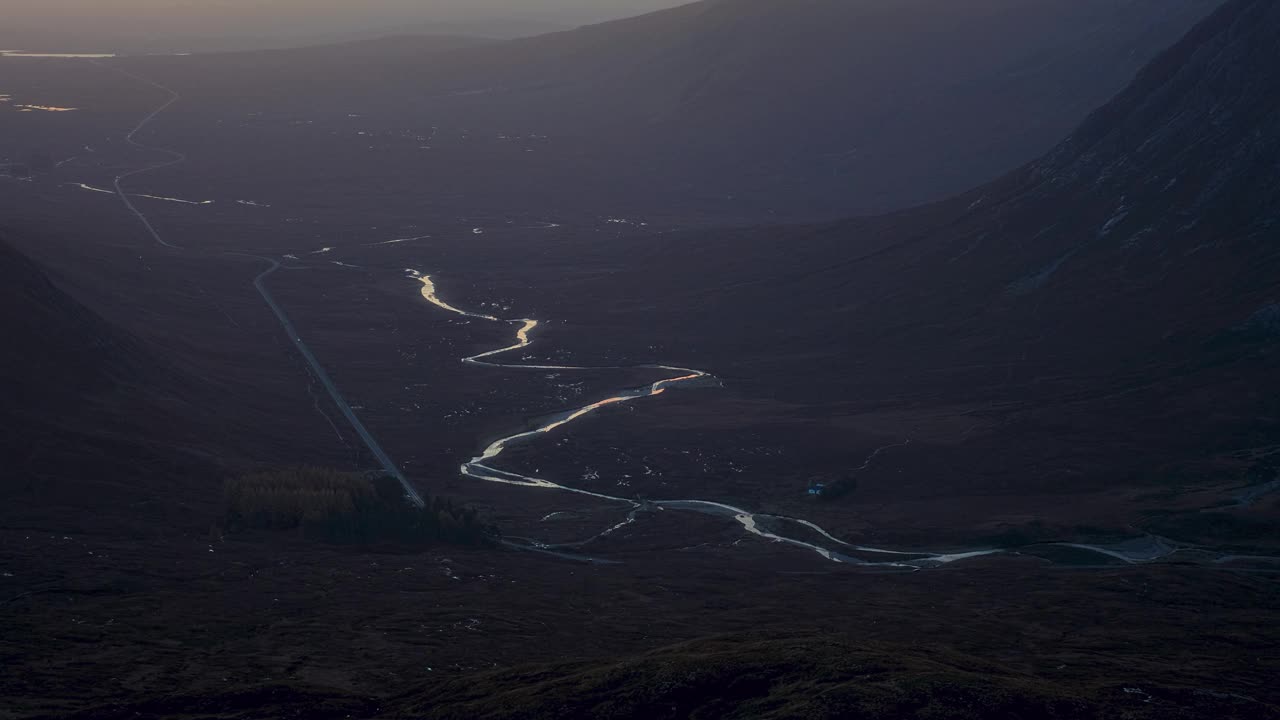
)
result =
(48, 41)
(138, 27)
(762, 108)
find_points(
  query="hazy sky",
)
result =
(299, 16)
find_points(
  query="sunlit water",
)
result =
(20, 54)
(162, 198)
(173, 199)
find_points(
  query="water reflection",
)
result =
(90, 188)
(162, 198)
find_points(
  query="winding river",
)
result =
(776, 528)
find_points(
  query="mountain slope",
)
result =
(96, 430)
(1154, 223)
(1101, 323)
(53, 345)
(1150, 231)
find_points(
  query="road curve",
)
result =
(175, 157)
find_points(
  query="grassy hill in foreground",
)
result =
(807, 677)
(737, 677)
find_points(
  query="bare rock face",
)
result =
(1192, 148)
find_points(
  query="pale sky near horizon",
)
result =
(300, 16)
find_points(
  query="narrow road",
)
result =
(260, 283)
(175, 157)
(388, 466)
